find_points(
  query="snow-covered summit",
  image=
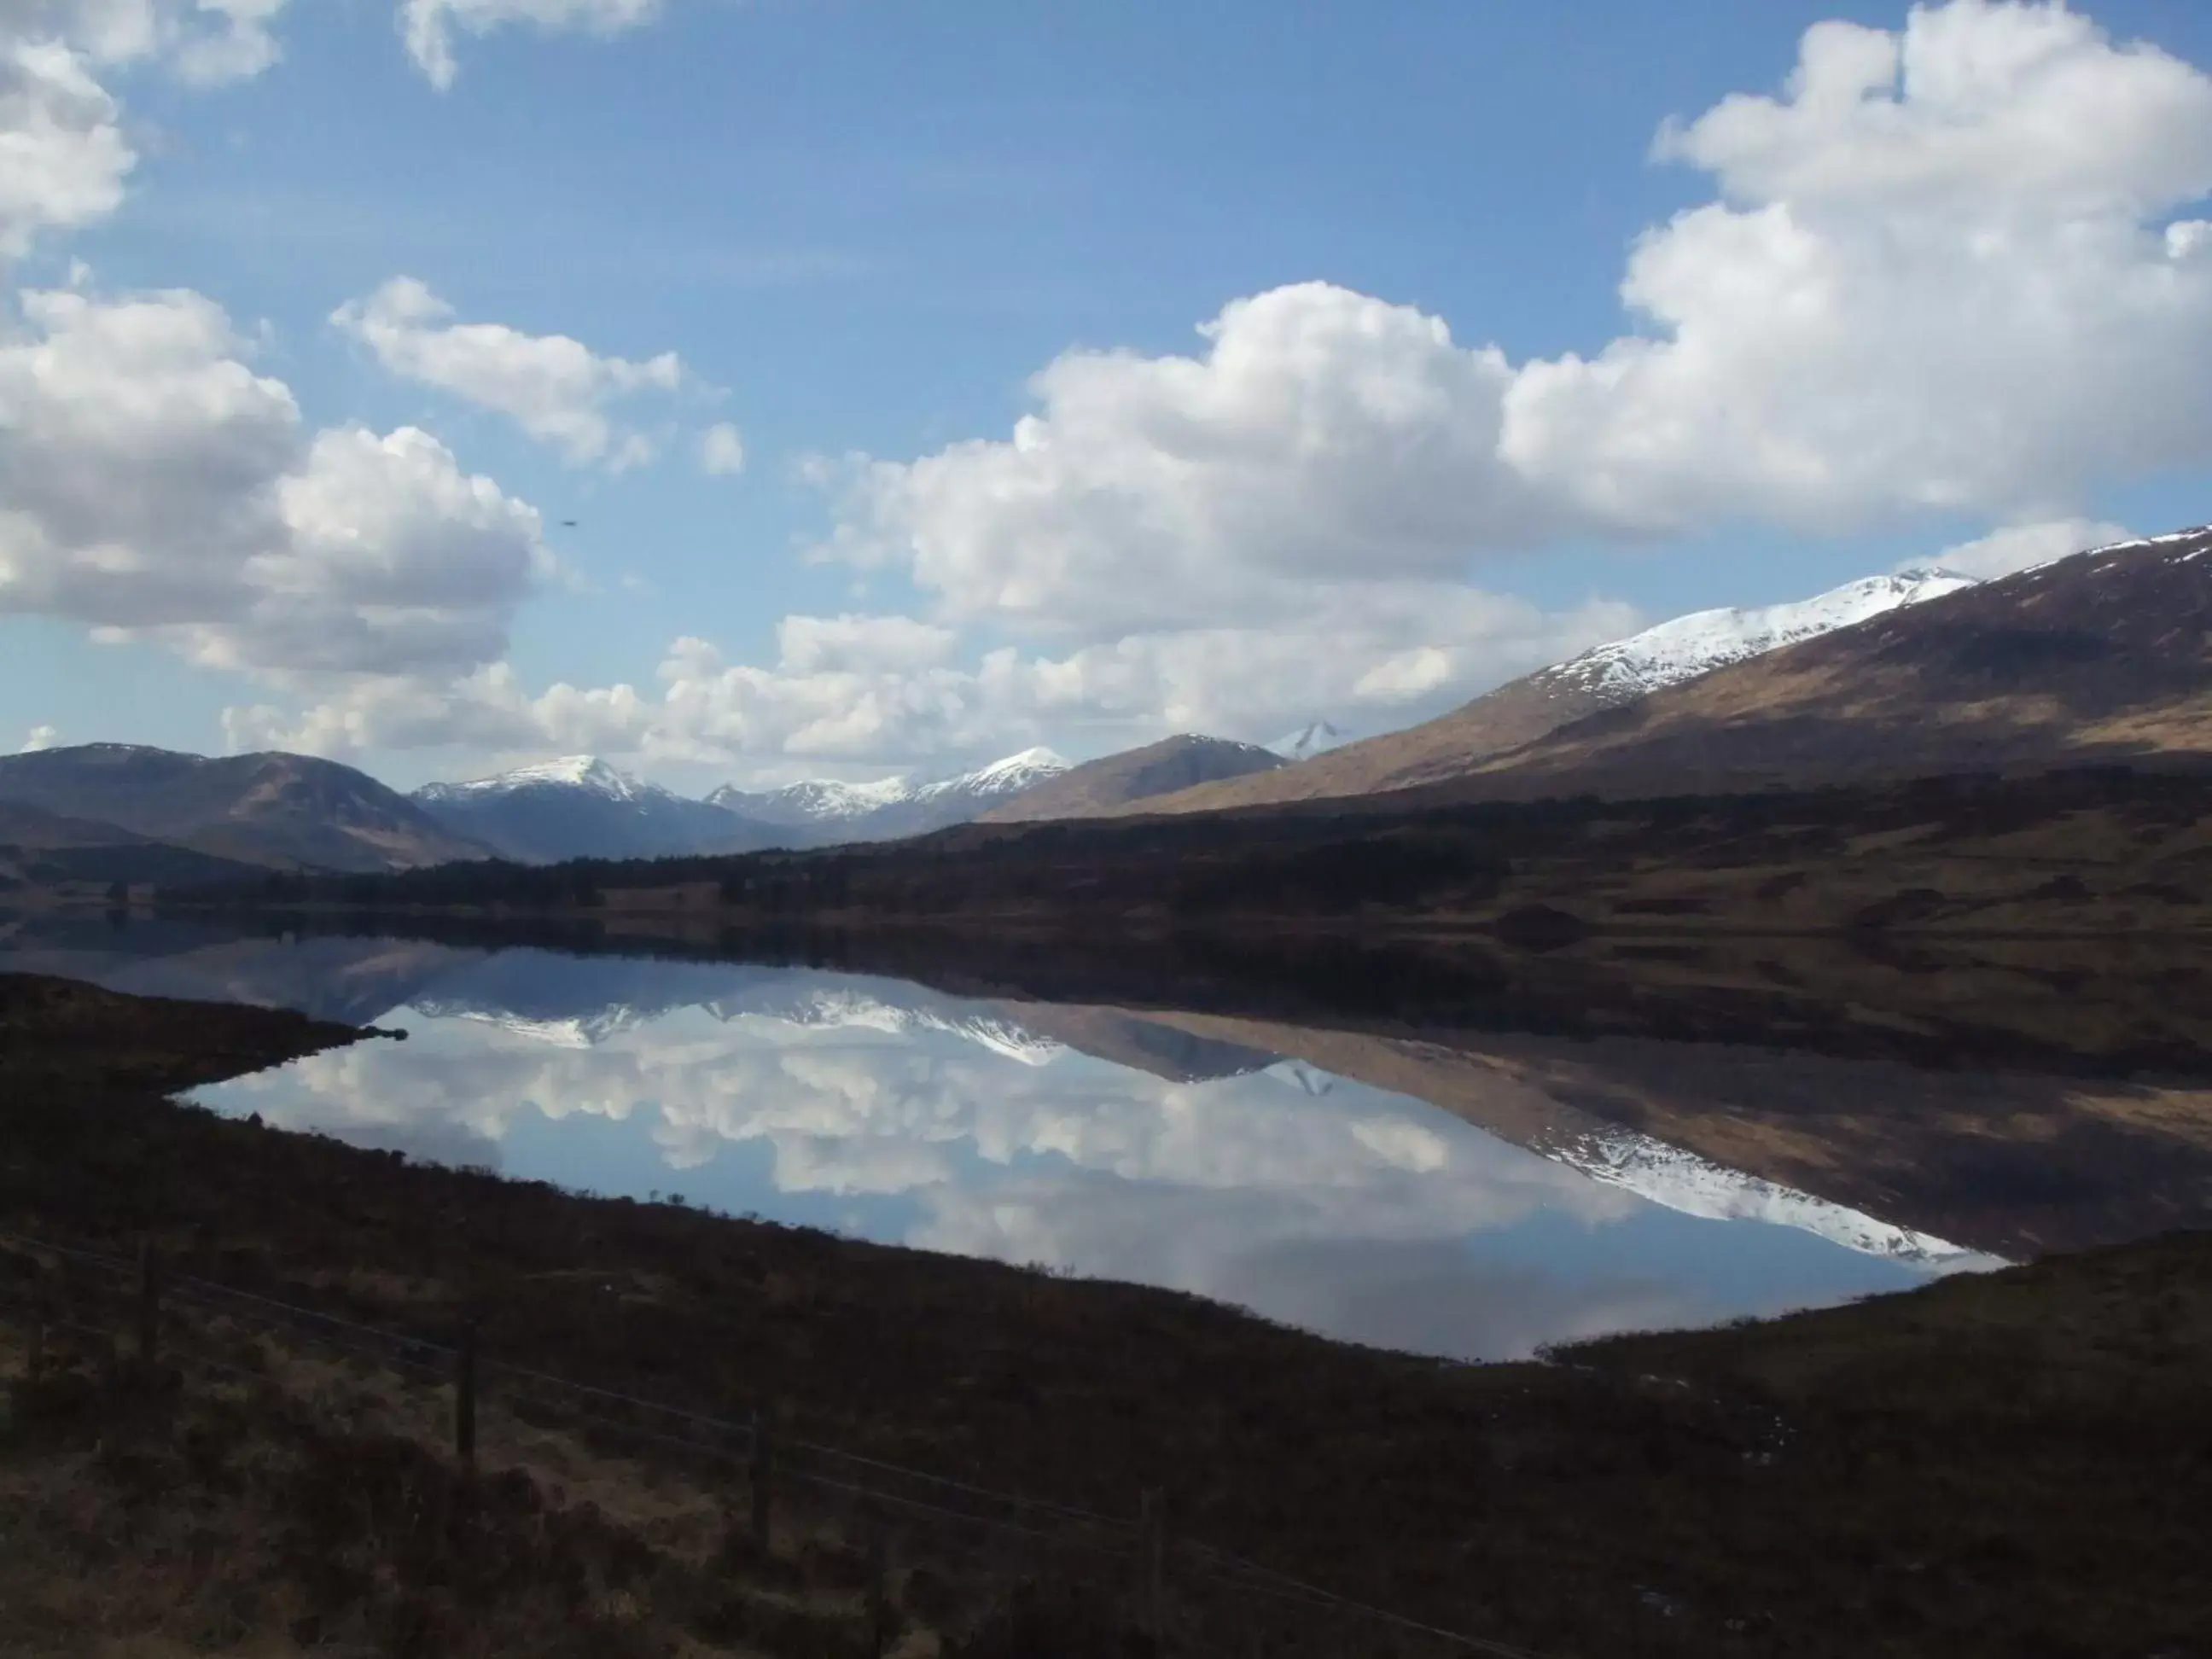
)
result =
(825, 809)
(1002, 777)
(1689, 645)
(580, 807)
(587, 772)
(820, 800)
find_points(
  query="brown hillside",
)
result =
(1158, 768)
(2100, 658)
(1505, 719)
(273, 809)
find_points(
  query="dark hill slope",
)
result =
(42, 850)
(269, 809)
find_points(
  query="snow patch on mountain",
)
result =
(1697, 644)
(587, 772)
(817, 800)
(1000, 778)
(892, 806)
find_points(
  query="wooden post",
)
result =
(150, 1306)
(465, 1396)
(763, 1473)
(879, 1582)
(35, 1364)
(1153, 1564)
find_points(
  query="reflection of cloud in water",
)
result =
(1383, 1262)
(1314, 1199)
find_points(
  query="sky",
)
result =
(751, 390)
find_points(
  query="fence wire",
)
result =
(1212, 1568)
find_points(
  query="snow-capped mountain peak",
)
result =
(1002, 777)
(825, 809)
(580, 807)
(824, 801)
(587, 772)
(1689, 645)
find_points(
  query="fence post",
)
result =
(465, 1396)
(149, 1305)
(763, 1473)
(1153, 1564)
(879, 1582)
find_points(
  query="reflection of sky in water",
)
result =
(897, 1114)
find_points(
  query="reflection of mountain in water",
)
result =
(2011, 1163)
(354, 980)
(538, 1000)
(1876, 1155)
(1683, 1181)
(894, 1008)
(1146, 1045)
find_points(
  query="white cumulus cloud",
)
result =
(1321, 436)
(202, 41)
(1943, 274)
(153, 485)
(556, 388)
(429, 26)
(42, 737)
(721, 451)
(63, 154)
(2019, 547)
(886, 691)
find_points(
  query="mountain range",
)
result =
(2102, 658)
(2096, 658)
(583, 808)
(1609, 676)
(822, 813)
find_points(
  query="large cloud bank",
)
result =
(1951, 271)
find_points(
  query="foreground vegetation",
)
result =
(2008, 1465)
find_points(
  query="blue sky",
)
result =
(1886, 328)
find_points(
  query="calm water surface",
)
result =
(893, 1112)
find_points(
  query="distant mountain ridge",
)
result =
(580, 807)
(821, 813)
(1524, 710)
(275, 810)
(1158, 768)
